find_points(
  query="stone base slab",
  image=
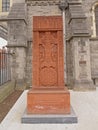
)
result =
(48, 101)
(53, 118)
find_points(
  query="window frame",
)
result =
(5, 5)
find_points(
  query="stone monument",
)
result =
(48, 95)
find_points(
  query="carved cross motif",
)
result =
(48, 52)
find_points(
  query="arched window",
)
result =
(94, 26)
(96, 19)
(5, 5)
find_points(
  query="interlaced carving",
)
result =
(48, 52)
(48, 58)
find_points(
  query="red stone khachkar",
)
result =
(48, 94)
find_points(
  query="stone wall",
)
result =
(69, 62)
(40, 9)
(78, 36)
(17, 43)
(29, 64)
(94, 60)
(79, 29)
(88, 8)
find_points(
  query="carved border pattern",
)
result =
(43, 2)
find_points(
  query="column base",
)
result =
(48, 101)
(84, 85)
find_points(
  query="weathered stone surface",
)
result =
(17, 43)
(52, 10)
(74, 1)
(48, 94)
(18, 11)
(79, 23)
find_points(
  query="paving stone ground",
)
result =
(85, 105)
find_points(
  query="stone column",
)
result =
(17, 44)
(81, 64)
(78, 40)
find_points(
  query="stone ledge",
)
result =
(6, 90)
(77, 36)
(74, 1)
(94, 39)
(16, 45)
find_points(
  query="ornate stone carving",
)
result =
(49, 95)
(63, 5)
(48, 58)
(48, 51)
(42, 2)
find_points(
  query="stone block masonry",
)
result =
(81, 69)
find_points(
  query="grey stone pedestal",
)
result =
(51, 119)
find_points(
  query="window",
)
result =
(94, 26)
(5, 5)
(96, 19)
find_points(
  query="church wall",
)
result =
(76, 31)
(40, 11)
(17, 47)
(29, 64)
(46, 9)
(88, 8)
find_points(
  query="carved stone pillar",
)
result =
(78, 42)
(48, 94)
(17, 43)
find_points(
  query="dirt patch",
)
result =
(7, 104)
